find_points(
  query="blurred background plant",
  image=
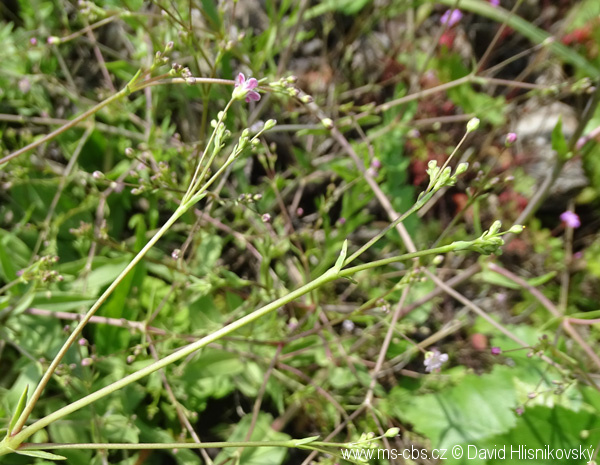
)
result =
(390, 87)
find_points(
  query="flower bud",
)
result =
(511, 138)
(461, 168)
(392, 432)
(327, 122)
(437, 260)
(494, 228)
(516, 229)
(472, 125)
(269, 124)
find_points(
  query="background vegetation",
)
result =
(372, 92)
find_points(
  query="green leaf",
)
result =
(300, 442)
(558, 141)
(342, 258)
(39, 454)
(261, 432)
(478, 408)
(548, 428)
(497, 279)
(20, 407)
(348, 7)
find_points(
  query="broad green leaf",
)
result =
(261, 432)
(548, 429)
(478, 408)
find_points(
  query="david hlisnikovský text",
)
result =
(523, 452)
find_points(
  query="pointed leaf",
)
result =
(40, 454)
(300, 442)
(20, 407)
(342, 258)
(558, 141)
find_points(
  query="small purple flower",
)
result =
(82, 341)
(495, 2)
(451, 17)
(375, 163)
(434, 360)
(519, 411)
(243, 88)
(33, 41)
(496, 350)
(266, 218)
(511, 138)
(414, 133)
(571, 219)
(341, 221)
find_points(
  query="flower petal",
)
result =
(252, 95)
(240, 80)
(251, 83)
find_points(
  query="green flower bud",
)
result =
(269, 124)
(516, 229)
(494, 228)
(392, 432)
(461, 168)
(327, 122)
(472, 125)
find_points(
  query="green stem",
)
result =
(325, 278)
(197, 179)
(123, 92)
(292, 443)
(75, 334)
(400, 258)
(182, 353)
(128, 89)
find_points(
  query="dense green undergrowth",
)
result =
(329, 259)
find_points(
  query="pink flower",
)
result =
(434, 360)
(571, 219)
(244, 88)
(495, 2)
(511, 138)
(519, 411)
(496, 350)
(451, 17)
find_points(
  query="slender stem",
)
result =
(182, 353)
(327, 277)
(386, 261)
(75, 334)
(69, 125)
(123, 92)
(293, 443)
(197, 179)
